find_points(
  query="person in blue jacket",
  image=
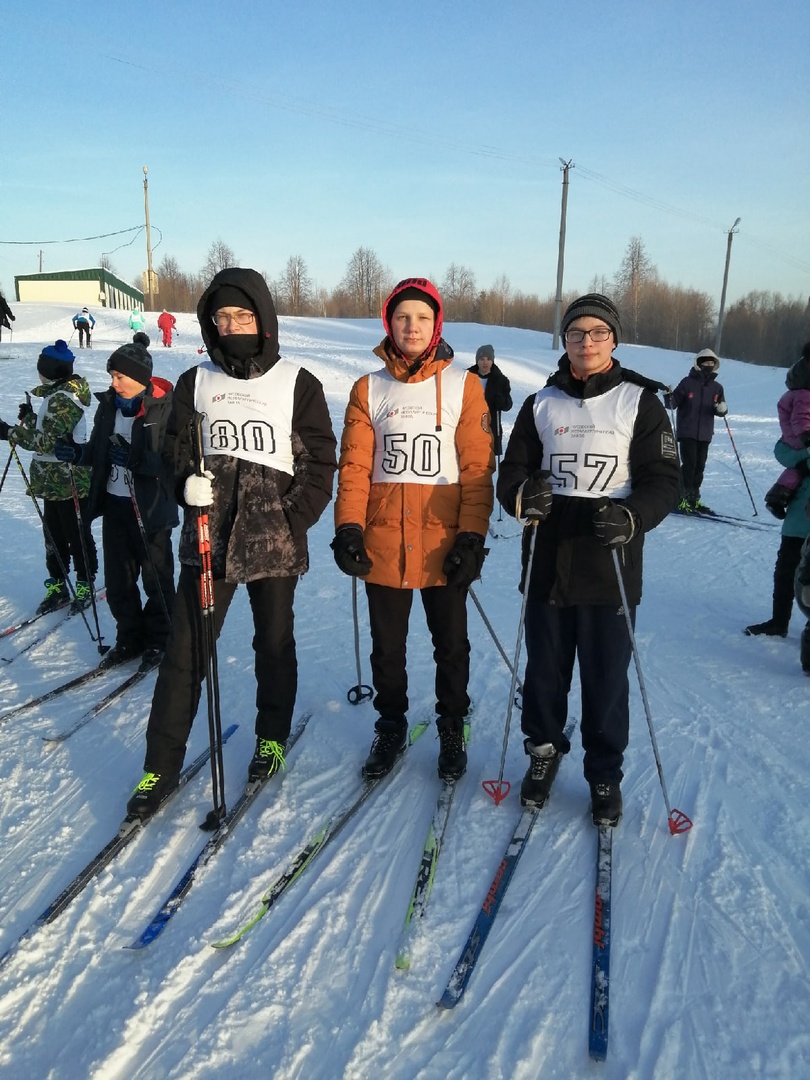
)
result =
(84, 322)
(697, 399)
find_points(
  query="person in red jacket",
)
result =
(166, 323)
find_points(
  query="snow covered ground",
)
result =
(710, 929)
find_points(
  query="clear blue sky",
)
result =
(430, 132)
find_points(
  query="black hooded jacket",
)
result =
(570, 566)
(260, 516)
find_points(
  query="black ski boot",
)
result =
(150, 793)
(268, 758)
(55, 597)
(452, 748)
(606, 803)
(770, 628)
(545, 761)
(804, 653)
(389, 743)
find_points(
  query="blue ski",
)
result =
(600, 967)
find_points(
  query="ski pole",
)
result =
(142, 529)
(742, 470)
(676, 819)
(498, 457)
(50, 543)
(499, 789)
(209, 639)
(360, 692)
(5, 471)
(90, 576)
(493, 635)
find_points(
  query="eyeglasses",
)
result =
(241, 318)
(576, 337)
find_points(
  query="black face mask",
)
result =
(239, 348)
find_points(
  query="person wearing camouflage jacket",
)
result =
(64, 398)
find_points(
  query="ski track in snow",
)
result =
(710, 933)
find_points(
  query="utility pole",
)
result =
(149, 275)
(566, 165)
(40, 260)
(719, 333)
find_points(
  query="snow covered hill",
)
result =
(710, 929)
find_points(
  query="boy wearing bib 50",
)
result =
(414, 499)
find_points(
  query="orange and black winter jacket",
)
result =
(409, 528)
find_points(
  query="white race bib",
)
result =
(407, 447)
(248, 418)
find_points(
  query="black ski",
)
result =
(71, 684)
(65, 611)
(108, 699)
(21, 625)
(168, 908)
(728, 519)
(128, 830)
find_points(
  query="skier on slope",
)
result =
(591, 464)
(84, 322)
(697, 399)
(166, 324)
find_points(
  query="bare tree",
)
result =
(105, 262)
(459, 293)
(637, 269)
(294, 287)
(363, 283)
(218, 257)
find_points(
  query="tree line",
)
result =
(761, 328)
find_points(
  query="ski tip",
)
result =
(446, 1002)
(403, 962)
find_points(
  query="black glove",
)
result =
(65, 449)
(533, 501)
(120, 451)
(350, 551)
(462, 565)
(720, 408)
(4, 430)
(668, 401)
(614, 524)
(26, 410)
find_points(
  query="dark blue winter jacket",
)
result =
(696, 398)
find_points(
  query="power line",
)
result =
(72, 240)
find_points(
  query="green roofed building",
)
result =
(96, 287)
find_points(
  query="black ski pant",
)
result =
(787, 561)
(694, 453)
(63, 539)
(596, 636)
(446, 614)
(127, 557)
(84, 334)
(179, 682)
